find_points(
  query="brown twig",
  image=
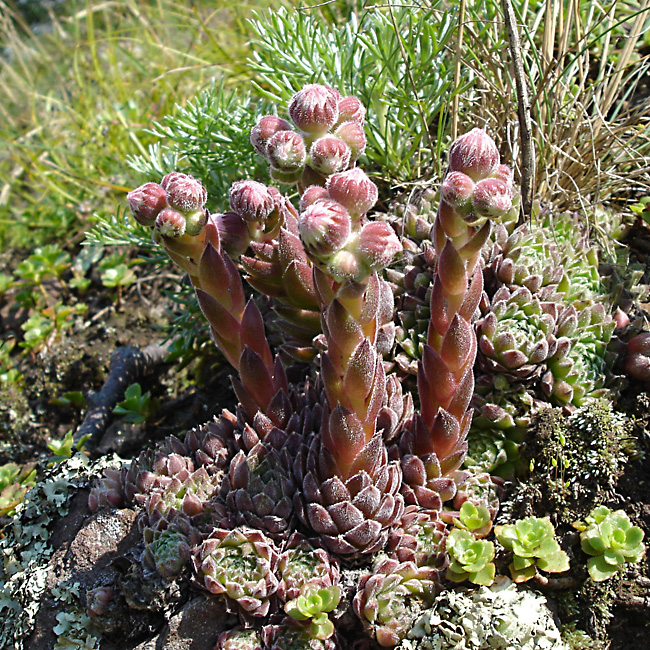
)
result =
(523, 109)
(127, 364)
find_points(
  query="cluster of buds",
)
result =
(329, 136)
(174, 207)
(336, 234)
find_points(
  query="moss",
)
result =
(575, 460)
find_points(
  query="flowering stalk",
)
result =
(195, 245)
(476, 190)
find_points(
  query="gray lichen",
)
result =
(25, 550)
(502, 617)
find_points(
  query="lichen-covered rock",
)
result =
(499, 618)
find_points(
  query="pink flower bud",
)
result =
(251, 200)
(184, 192)
(353, 135)
(353, 190)
(504, 173)
(324, 227)
(311, 195)
(474, 154)
(351, 110)
(233, 233)
(286, 151)
(314, 109)
(264, 129)
(146, 202)
(170, 223)
(492, 198)
(457, 190)
(637, 360)
(329, 155)
(378, 244)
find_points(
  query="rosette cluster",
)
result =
(324, 136)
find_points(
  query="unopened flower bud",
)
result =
(311, 195)
(457, 190)
(344, 265)
(170, 223)
(474, 154)
(195, 221)
(251, 200)
(504, 173)
(353, 135)
(233, 233)
(351, 110)
(286, 151)
(314, 109)
(324, 227)
(266, 127)
(378, 244)
(184, 192)
(637, 360)
(98, 600)
(146, 202)
(329, 155)
(492, 198)
(353, 190)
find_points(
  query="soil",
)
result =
(79, 360)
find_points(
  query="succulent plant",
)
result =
(239, 564)
(472, 516)
(390, 598)
(612, 540)
(419, 538)
(290, 634)
(313, 604)
(533, 545)
(582, 369)
(339, 448)
(470, 558)
(302, 562)
(259, 489)
(239, 639)
(169, 544)
(518, 334)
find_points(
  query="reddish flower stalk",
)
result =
(475, 190)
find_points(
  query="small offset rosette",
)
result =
(239, 564)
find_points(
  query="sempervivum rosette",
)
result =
(259, 489)
(239, 639)
(350, 490)
(584, 368)
(239, 564)
(517, 335)
(168, 544)
(153, 469)
(292, 635)
(389, 599)
(303, 562)
(419, 537)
